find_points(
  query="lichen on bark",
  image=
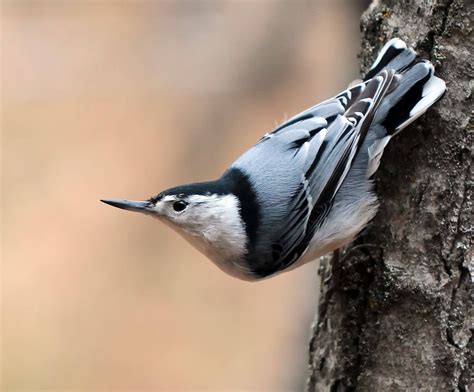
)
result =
(396, 308)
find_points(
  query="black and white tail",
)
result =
(413, 91)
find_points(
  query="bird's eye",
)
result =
(179, 205)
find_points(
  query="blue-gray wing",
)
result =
(325, 138)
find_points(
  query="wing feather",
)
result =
(329, 154)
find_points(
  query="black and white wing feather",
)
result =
(329, 152)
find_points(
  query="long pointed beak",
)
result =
(130, 205)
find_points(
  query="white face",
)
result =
(195, 214)
(211, 223)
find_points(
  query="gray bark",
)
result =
(396, 308)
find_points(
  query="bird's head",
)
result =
(194, 208)
(203, 214)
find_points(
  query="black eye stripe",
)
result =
(179, 205)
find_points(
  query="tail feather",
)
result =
(413, 90)
(433, 90)
(394, 55)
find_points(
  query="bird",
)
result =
(306, 188)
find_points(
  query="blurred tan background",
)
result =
(124, 99)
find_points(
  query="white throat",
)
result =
(215, 228)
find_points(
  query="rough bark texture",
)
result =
(396, 309)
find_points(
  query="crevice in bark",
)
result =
(447, 11)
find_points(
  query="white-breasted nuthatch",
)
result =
(305, 188)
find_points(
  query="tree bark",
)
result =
(396, 308)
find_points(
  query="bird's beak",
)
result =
(145, 206)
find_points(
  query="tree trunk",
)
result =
(396, 309)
